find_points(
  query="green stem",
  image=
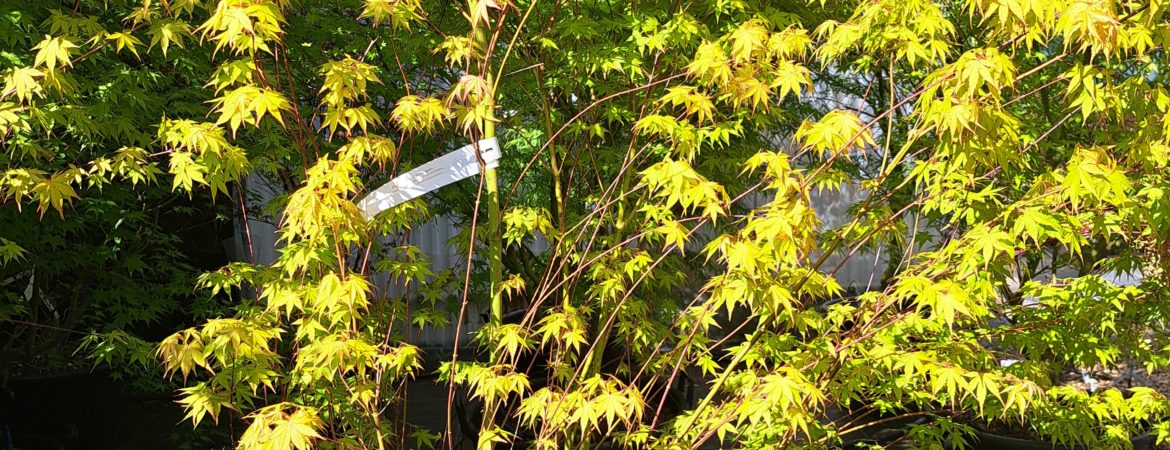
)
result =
(492, 189)
(495, 244)
(559, 204)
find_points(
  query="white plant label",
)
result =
(435, 174)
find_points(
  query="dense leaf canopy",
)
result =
(653, 220)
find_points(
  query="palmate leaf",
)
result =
(22, 83)
(475, 117)
(345, 81)
(164, 33)
(65, 23)
(362, 117)
(521, 222)
(234, 73)
(378, 149)
(400, 13)
(1093, 25)
(124, 41)
(378, 10)
(54, 52)
(297, 432)
(673, 234)
(948, 380)
(488, 439)
(983, 385)
(249, 104)
(947, 301)
(838, 131)
(989, 244)
(792, 43)
(982, 70)
(187, 172)
(19, 183)
(202, 401)
(749, 37)
(56, 190)
(416, 115)
(457, 50)
(789, 77)
(10, 118)
(1011, 12)
(243, 27)
(511, 340)
(612, 406)
(182, 351)
(656, 125)
(273, 428)
(1085, 92)
(710, 64)
(748, 89)
(696, 103)
(1092, 175)
(1019, 395)
(1037, 225)
(282, 298)
(10, 251)
(424, 438)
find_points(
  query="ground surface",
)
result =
(1123, 378)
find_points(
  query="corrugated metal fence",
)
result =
(861, 272)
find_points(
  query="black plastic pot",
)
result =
(13, 441)
(882, 434)
(991, 441)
